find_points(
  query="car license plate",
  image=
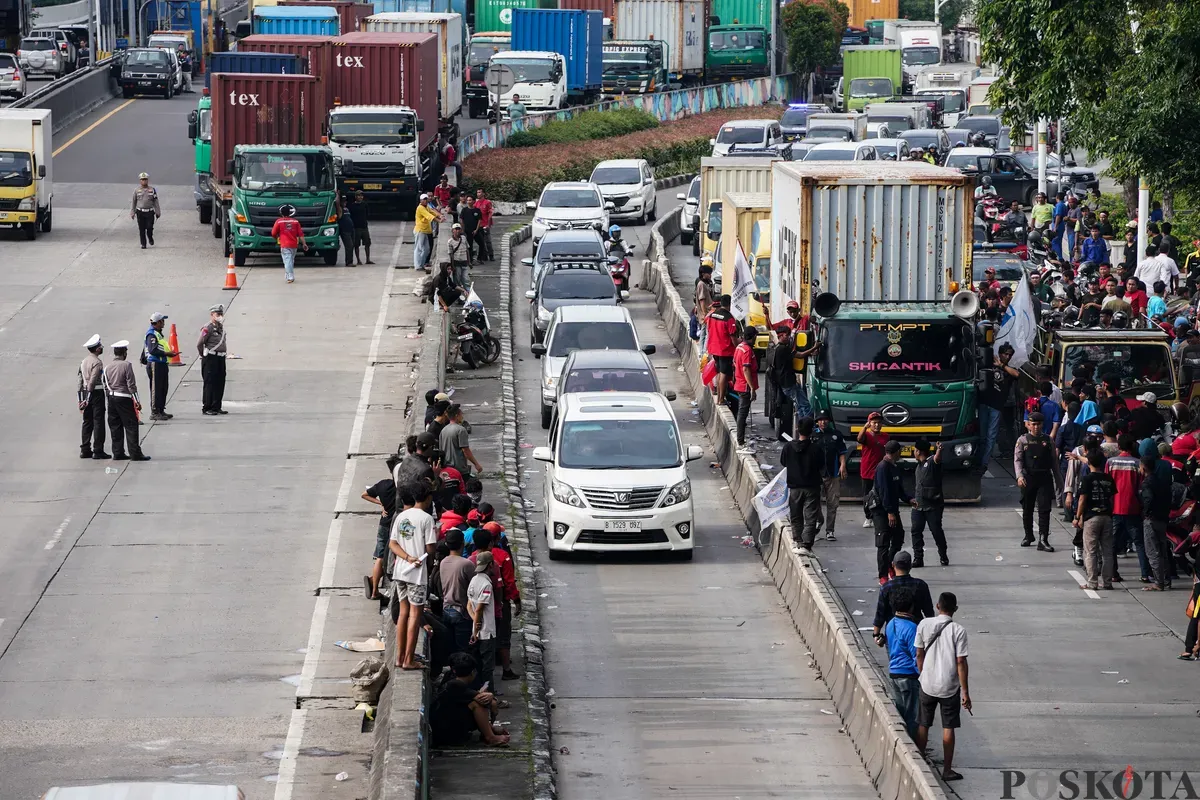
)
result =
(622, 525)
(375, 186)
(908, 452)
(143, 83)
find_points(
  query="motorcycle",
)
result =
(476, 344)
(618, 264)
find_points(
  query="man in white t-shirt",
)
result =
(1148, 269)
(482, 609)
(414, 542)
(1168, 270)
(942, 661)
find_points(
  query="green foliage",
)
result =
(585, 127)
(813, 29)
(951, 12)
(1114, 204)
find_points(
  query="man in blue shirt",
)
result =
(1095, 249)
(1057, 226)
(1051, 411)
(899, 635)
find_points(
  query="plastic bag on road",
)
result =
(369, 677)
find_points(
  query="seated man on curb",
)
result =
(458, 710)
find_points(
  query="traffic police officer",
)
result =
(91, 401)
(145, 209)
(157, 354)
(211, 348)
(120, 383)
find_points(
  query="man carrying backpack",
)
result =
(1035, 462)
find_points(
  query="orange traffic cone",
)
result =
(230, 274)
(173, 341)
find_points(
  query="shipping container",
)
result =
(459, 7)
(884, 231)
(255, 63)
(312, 20)
(681, 23)
(389, 69)
(316, 50)
(263, 109)
(733, 174)
(873, 66)
(496, 15)
(350, 13)
(452, 48)
(575, 35)
(742, 12)
(605, 7)
(863, 10)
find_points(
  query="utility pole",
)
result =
(937, 10)
(771, 39)
(1041, 154)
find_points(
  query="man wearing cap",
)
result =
(289, 235)
(889, 494)
(833, 469)
(145, 209)
(458, 251)
(1035, 462)
(211, 349)
(1145, 421)
(91, 400)
(157, 353)
(424, 217)
(120, 383)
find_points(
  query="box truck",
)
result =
(679, 23)
(26, 170)
(718, 175)
(886, 288)
(576, 35)
(739, 40)
(870, 72)
(452, 45)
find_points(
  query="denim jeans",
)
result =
(799, 400)
(989, 426)
(906, 695)
(462, 275)
(289, 262)
(460, 628)
(1126, 528)
(422, 250)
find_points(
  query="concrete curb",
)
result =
(398, 768)
(858, 690)
(544, 787)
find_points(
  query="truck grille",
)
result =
(147, 76)
(945, 419)
(649, 536)
(310, 218)
(374, 170)
(9, 205)
(638, 499)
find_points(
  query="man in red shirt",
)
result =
(722, 330)
(794, 322)
(1136, 297)
(871, 440)
(1126, 471)
(289, 235)
(484, 235)
(745, 380)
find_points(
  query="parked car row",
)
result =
(52, 51)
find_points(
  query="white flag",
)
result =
(1018, 326)
(743, 285)
(771, 502)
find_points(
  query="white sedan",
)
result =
(842, 151)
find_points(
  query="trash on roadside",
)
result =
(856, 612)
(1109, 672)
(564, 751)
(1123, 680)
(550, 693)
(371, 645)
(999, 558)
(342, 776)
(368, 678)
(823, 711)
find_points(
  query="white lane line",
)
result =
(43, 293)
(58, 534)
(316, 630)
(1082, 581)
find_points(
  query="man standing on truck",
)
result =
(157, 354)
(145, 209)
(289, 234)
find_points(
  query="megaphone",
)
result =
(964, 304)
(826, 304)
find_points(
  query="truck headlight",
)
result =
(25, 205)
(678, 493)
(245, 231)
(964, 450)
(328, 231)
(566, 494)
(337, 165)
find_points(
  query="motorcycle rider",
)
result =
(1014, 218)
(985, 189)
(614, 239)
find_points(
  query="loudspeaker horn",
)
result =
(826, 304)
(964, 304)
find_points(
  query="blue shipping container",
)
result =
(297, 20)
(575, 34)
(255, 63)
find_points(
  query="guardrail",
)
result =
(72, 96)
(665, 106)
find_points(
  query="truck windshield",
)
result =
(530, 70)
(16, 169)
(482, 51)
(734, 134)
(920, 56)
(883, 352)
(736, 40)
(620, 444)
(955, 100)
(714, 220)
(621, 60)
(1141, 366)
(204, 120)
(832, 134)
(372, 128)
(286, 172)
(871, 87)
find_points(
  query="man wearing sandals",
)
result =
(942, 661)
(1155, 494)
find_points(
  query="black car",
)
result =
(609, 371)
(146, 70)
(1014, 176)
(988, 126)
(569, 283)
(794, 122)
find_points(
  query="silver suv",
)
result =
(67, 43)
(12, 81)
(40, 55)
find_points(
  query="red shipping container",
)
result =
(606, 7)
(317, 49)
(389, 69)
(350, 13)
(263, 109)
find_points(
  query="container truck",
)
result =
(833, 127)
(305, 20)
(680, 24)
(739, 40)
(317, 52)
(350, 13)
(26, 170)
(886, 291)
(575, 35)
(861, 11)
(483, 47)
(718, 175)
(496, 15)
(421, 7)
(451, 50)
(255, 63)
(538, 77)
(870, 72)
(746, 224)
(632, 67)
(267, 152)
(950, 82)
(382, 129)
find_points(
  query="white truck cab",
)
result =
(538, 78)
(376, 150)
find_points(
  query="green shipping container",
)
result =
(746, 12)
(496, 15)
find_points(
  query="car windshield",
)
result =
(609, 380)
(830, 154)
(529, 70)
(286, 172)
(1008, 270)
(741, 134)
(882, 352)
(578, 284)
(924, 139)
(887, 150)
(837, 134)
(871, 87)
(954, 100)
(619, 444)
(569, 198)
(616, 175)
(735, 40)
(148, 58)
(896, 124)
(37, 44)
(920, 56)
(1029, 161)
(568, 336)
(16, 169)
(990, 126)
(373, 128)
(795, 117)
(549, 249)
(204, 120)
(619, 59)
(482, 51)
(693, 194)
(1141, 367)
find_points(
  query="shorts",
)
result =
(504, 628)
(362, 237)
(951, 710)
(414, 593)
(724, 365)
(382, 536)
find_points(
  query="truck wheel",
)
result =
(127, 93)
(239, 256)
(47, 220)
(696, 245)
(205, 213)
(227, 239)
(30, 229)
(215, 217)
(329, 257)
(685, 237)
(471, 112)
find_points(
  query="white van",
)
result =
(616, 476)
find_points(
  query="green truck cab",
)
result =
(736, 52)
(634, 67)
(200, 131)
(870, 73)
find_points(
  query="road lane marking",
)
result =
(43, 293)
(57, 537)
(1082, 581)
(91, 127)
(316, 631)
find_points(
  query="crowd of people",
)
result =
(471, 218)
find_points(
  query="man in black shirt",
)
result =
(441, 418)
(992, 402)
(889, 493)
(458, 710)
(1094, 515)
(1091, 303)
(833, 469)
(922, 600)
(930, 503)
(382, 494)
(801, 457)
(362, 234)
(1145, 421)
(469, 217)
(781, 371)
(1155, 494)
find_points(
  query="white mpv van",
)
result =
(616, 476)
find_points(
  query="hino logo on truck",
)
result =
(350, 61)
(243, 99)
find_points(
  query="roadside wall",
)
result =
(73, 96)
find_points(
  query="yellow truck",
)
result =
(26, 169)
(746, 224)
(718, 175)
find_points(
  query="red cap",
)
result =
(792, 304)
(874, 415)
(494, 527)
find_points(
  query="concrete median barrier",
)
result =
(857, 686)
(72, 97)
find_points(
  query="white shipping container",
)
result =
(679, 23)
(451, 42)
(877, 231)
(730, 174)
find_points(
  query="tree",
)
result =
(813, 29)
(949, 16)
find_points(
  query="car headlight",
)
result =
(245, 231)
(550, 382)
(678, 493)
(565, 494)
(328, 231)
(25, 205)
(963, 450)
(126, 74)
(540, 221)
